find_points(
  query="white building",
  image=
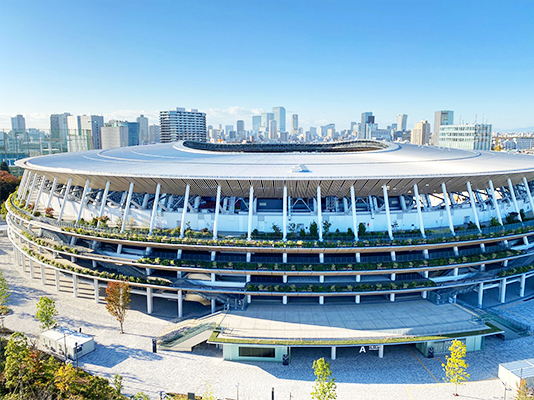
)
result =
(154, 135)
(421, 133)
(143, 129)
(444, 117)
(84, 132)
(467, 137)
(180, 124)
(114, 135)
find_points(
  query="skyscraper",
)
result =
(84, 132)
(18, 124)
(367, 118)
(59, 130)
(142, 121)
(265, 119)
(180, 124)
(444, 117)
(154, 134)
(421, 133)
(280, 118)
(295, 124)
(93, 124)
(256, 123)
(401, 122)
(272, 130)
(114, 134)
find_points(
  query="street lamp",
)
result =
(506, 388)
(237, 387)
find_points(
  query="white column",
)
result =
(388, 215)
(529, 194)
(392, 297)
(502, 290)
(480, 294)
(448, 207)
(56, 273)
(381, 351)
(180, 304)
(67, 189)
(353, 206)
(284, 214)
(516, 206)
(284, 258)
(321, 300)
(75, 285)
(184, 211)
(424, 294)
(319, 214)
(31, 267)
(31, 190)
(149, 300)
(84, 194)
(23, 183)
(97, 290)
(522, 285)
(495, 202)
(213, 306)
(419, 212)
(472, 200)
(284, 300)
(43, 180)
(357, 299)
(43, 278)
(217, 207)
(333, 353)
(52, 191)
(127, 208)
(154, 209)
(103, 202)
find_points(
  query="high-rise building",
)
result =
(133, 133)
(353, 126)
(367, 119)
(295, 124)
(84, 132)
(402, 119)
(444, 117)
(142, 121)
(421, 133)
(265, 119)
(93, 124)
(240, 126)
(280, 118)
(180, 124)
(467, 136)
(154, 134)
(114, 134)
(273, 135)
(59, 130)
(18, 124)
(256, 123)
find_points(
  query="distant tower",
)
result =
(421, 133)
(256, 123)
(294, 124)
(265, 119)
(143, 129)
(18, 124)
(280, 118)
(367, 119)
(272, 130)
(401, 122)
(444, 117)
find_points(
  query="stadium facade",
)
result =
(231, 225)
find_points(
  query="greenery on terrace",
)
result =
(362, 287)
(301, 239)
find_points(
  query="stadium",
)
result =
(346, 244)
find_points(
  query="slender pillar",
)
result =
(357, 299)
(52, 191)
(284, 300)
(217, 208)
(495, 202)
(419, 212)
(381, 351)
(31, 190)
(23, 183)
(149, 300)
(43, 180)
(333, 353)
(249, 257)
(353, 206)
(154, 209)
(43, 277)
(388, 215)
(284, 258)
(321, 300)
(448, 207)
(75, 285)
(424, 294)
(284, 215)
(321, 278)
(127, 208)
(529, 194)
(97, 290)
(213, 306)
(30, 261)
(103, 202)
(284, 278)
(502, 290)
(180, 304)
(56, 273)
(319, 213)
(82, 202)
(522, 285)
(472, 200)
(212, 255)
(514, 199)
(65, 198)
(392, 297)
(184, 211)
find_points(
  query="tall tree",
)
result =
(455, 369)
(4, 167)
(46, 313)
(4, 297)
(325, 386)
(118, 300)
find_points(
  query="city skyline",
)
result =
(411, 57)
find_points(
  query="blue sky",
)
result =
(326, 61)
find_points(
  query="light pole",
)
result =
(237, 388)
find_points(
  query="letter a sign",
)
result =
(362, 349)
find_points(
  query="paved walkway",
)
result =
(402, 374)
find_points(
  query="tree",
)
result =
(455, 369)
(118, 300)
(314, 230)
(46, 313)
(4, 297)
(361, 229)
(523, 392)
(4, 167)
(326, 226)
(325, 387)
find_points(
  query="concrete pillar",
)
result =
(388, 215)
(357, 299)
(31, 190)
(180, 304)
(213, 306)
(75, 285)
(97, 290)
(127, 208)
(333, 352)
(149, 300)
(525, 240)
(514, 199)
(184, 210)
(522, 285)
(31, 267)
(529, 194)
(284, 278)
(472, 201)
(65, 198)
(179, 254)
(353, 206)
(381, 351)
(419, 212)
(154, 209)
(456, 251)
(358, 278)
(393, 276)
(43, 180)
(250, 212)
(502, 290)
(321, 258)
(319, 214)
(212, 256)
(425, 254)
(448, 207)
(56, 273)
(321, 300)
(424, 294)
(249, 298)
(43, 277)
(22, 184)
(482, 267)
(321, 278)
(480, 294)
(52, 191)
(455, 272)
(217, 211)
(358, 257)
(213, 277)
(482, 247)
(82, 201)
(284, 214)
(392, 297)
(284, 299)
(284, 258)
(249, 257)
(495, 202)
(393, 256)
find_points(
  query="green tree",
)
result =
(4, 297)
(17, 352)
(361, 229)
(140, 396)
(325, 386)
(455, 369)
(326, 227)
(4, 167)
(314, 230)
(117, 382)
(46, 313)
(118, 300)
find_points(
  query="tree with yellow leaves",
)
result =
(455, 369)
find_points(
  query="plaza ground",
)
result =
(403, 373)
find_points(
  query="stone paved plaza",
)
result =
(403, 373)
